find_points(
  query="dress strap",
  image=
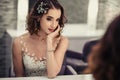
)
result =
(23, 44)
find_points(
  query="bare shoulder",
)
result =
(17, 40)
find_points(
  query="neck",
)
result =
(41, 36)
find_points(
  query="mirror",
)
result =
(87, 20)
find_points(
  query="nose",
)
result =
(54, 24)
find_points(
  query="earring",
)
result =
(38, 25)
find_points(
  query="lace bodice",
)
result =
(32, 65)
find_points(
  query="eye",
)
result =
(49, 19)
(58, 20)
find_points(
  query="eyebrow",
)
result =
(52, 17)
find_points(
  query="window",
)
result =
(82, 15)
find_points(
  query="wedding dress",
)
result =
(32, 65)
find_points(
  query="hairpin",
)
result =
(42, 8)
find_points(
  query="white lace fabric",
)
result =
(33, 66)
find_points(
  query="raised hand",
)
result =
(53, 40)
(55, 33)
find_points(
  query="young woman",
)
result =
(40, 52)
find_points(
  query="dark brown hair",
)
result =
(33, 25)
(108, 54)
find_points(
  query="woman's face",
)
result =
(50, 21)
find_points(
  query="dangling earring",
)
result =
(38, 24)
(37, 27)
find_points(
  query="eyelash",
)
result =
(49, 19)
(58, 20)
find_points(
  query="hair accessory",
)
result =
(42, 8)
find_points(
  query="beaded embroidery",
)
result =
(42, 8)
(33, 66)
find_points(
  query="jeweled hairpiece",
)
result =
(42, 8)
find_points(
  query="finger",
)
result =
(58, 29)
(56, 32)
(58, 38)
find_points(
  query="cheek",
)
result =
(56, 24)
(44, 24)
(90, 61)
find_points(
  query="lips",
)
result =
(51, 30)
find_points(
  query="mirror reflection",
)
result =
(87, 22)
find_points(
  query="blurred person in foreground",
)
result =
(104, 59)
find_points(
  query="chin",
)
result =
(48, 33)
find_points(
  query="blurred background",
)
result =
(87, 20)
